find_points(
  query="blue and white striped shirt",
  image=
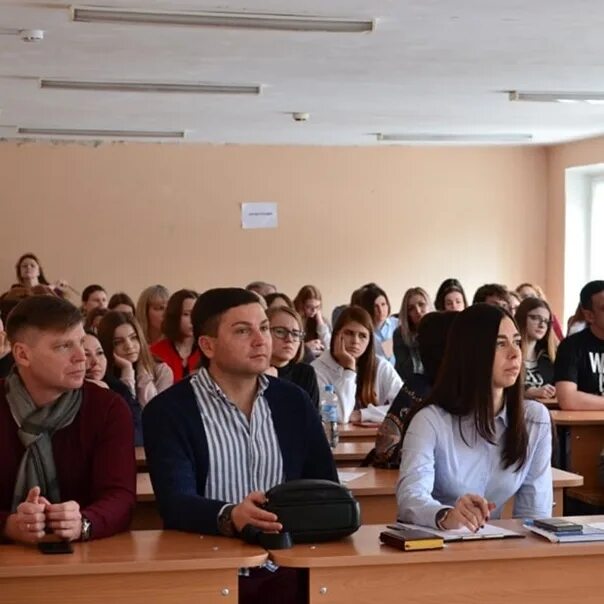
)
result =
(244, 456)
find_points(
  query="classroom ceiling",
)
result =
(429, 67)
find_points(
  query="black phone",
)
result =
(558, 525)
(55, 547)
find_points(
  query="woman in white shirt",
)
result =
(365, 384)
(475, 442)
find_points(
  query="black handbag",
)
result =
(310, 511)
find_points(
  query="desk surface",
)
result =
(352, 450)
(137, 551)
(577, 418)
(364, 549)
(550, 403)
(374, 481)
(353, 431)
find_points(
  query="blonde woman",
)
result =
(308, 303)
(150, 311)
(416, 303)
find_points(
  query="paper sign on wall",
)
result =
(261, 215)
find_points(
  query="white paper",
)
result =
(259, 215)
(349, 476)
(464, 534)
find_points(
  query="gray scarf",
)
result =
(36, 427)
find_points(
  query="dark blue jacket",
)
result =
(177, 451)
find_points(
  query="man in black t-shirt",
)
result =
(579, 370)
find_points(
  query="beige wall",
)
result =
(129, 215)
(559, 158)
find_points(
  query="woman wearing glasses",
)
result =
(288, 351)
(534, 319)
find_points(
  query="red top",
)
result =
(165, 351)
(94, 457)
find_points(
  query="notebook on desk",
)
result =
(464, 534)
(593, 531)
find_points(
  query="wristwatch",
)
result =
(86, 532)
(225, 522)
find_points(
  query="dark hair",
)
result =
(89, 290)
(46, 313)
(464, 384)
(367, 362)
(270, 298)
(92, 316)
(488, 290)
(446, 287)
(41, 278)
(547, 343)
(590, 289)
(211, 305)
(432, 334)
(106, 333)
(367, 297)
(170, 325)
(260, 287)
(121, 298)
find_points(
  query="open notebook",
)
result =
(463, 534)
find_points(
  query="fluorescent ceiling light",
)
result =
(270, 21)
(101, 133)
(152, 87)
(454, 138)
(593, 98)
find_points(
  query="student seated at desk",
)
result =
(288, 351)
(93, 296)
(450, 296)
(416, 303)
(534, 319)
(317, 334)
(150, 310)
(475, 442)
(178, 349)
(375, 301)
(579, 369)
(217, 442)
(432, 338)
(66, 445)
(365, 383)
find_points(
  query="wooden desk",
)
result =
(141, 459)
(347, 452)
(586, 437)
(550, 403)
(359, 570)
(374, 490)
(161, 567)
(352, 433)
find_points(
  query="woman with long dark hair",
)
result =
(450, 296)
(178, 348)
(475, 442)
(375, 301)
(534, 318)
(365, 383)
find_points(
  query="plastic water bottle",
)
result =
(329, 415)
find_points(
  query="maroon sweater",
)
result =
(94, 457)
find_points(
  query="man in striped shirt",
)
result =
(217, 441)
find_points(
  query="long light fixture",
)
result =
(201, 88)
(92, 133)
(243, 20)
(592, 98)
(427, 137)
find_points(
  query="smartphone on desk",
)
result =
(55, 547)
(558, 525)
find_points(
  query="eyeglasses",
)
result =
(540, 320)
(282, 333)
